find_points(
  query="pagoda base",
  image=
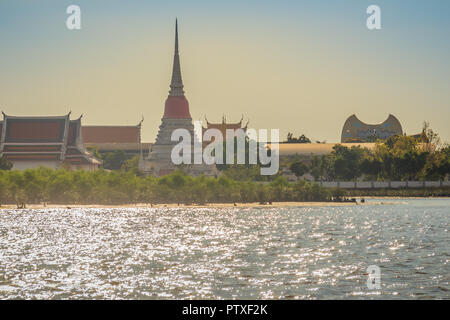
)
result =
(159, 161)
(160, 168)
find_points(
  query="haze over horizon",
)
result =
(299, 66)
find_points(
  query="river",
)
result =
(227, 253)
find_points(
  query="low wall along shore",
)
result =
(383, 184)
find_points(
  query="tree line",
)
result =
(397, 158)
(125, 187)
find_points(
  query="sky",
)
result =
(299, 66)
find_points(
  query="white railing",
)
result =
(383, 184)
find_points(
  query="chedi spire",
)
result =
(177, 106)
(176, 116)
(176, 85)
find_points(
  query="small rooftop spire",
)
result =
(176, 36)
(176, 85)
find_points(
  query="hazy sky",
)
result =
(300, 66)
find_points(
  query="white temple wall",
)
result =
(22, 165)
(383, 184)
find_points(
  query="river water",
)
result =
(227, 253)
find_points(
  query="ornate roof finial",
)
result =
(176, 85)
(140, 122)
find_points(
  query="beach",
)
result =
(208, 205)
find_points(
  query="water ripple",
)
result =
(226, 253)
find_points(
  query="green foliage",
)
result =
(299, 168)
(341, 164)
(301, 139)
(347, 162)
(247, 171)
(243, 172)
(397, 158)
(118, 160)
(132, 165)
(260, 148)
(5, 164)
(120, 187)
(114, 160)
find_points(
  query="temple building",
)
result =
(54, 141)
(222, 127)
(176, 116)
(111, 138)
(355, 130)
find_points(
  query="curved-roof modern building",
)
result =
(355, 130)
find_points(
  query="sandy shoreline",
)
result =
(173, 205)
(210, 205)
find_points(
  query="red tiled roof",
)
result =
(34, 130)
(222, 127)
(111, 134)
(43, 138)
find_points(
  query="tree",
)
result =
(431, 139)
(279, 188)
(114, 160)
(407, 166)
(437, 165)
(316, 168)
(5, 164)
(301, 139)
(371, 167)
(132, 165)
(347, 162)
(244, 171)
(299, 168)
